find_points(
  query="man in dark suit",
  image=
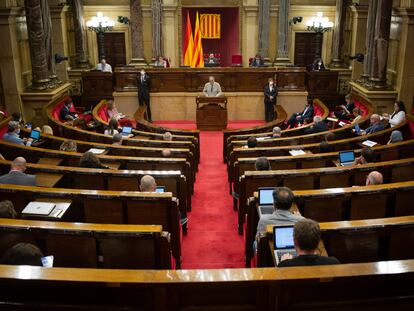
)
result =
(257, 61)
(270, 94)
(307, 235)
(318, 126)
(144, 86)
(307, 113)
(16, 176)
(65, 113)
(376, 125)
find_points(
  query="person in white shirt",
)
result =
(398, 116)
(212, 88)
(103, 66)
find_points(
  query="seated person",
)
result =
(356, 112)
(103, 66)
(262, 164)
(300, 117)
(167, 136)
(160, 62)
(317, 65)
(90, 160)
(166, 153)
(374, 178)
(16, 116)
(325, 147)
(16, 176)
(13, 132)
(318, 126)
(330, 137)
(23, 254)
(367, 156)
(345, 111)
(47, 130)
(257, 61)
(375, 125)
(112, 127)
(7, 209)
(65, 113)
(69, 146)
(396, 137)
(398, 116)
(117, 139)
(211, 60)
(147, 184)
(276, 132)
(252, 142)
(112, 111)
(283, 199)
(307, 236)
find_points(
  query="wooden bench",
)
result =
(108, 207)
(367, 286)
(91, 245)
(337, 204)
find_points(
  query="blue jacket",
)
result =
(374, 128)
(13, 138)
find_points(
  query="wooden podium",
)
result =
(211, 113)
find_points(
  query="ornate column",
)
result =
(338, 36)
(283, 33)
(379, 56)
(369, 38)
(79, 31)
(136, 33)
(157, 46)
(37, 39)
(263, 18)
(47, 31)
(359, 28)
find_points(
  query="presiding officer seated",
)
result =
(103, 66)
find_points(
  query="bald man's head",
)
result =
(19, 164)
(147, 184)
(374, 178)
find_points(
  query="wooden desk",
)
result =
(113, 165)
(47, 180)
(50, 161)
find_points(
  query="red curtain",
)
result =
(228, 44)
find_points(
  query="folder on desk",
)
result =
(96, 150)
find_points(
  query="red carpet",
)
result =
(212, 241)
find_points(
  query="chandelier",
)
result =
(319, 24)
(100, 23)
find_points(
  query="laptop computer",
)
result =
(126, 131)
(160, 189)
(283, 242)
(39, 208)
(266, 200)
(346, 158)
(35, 135)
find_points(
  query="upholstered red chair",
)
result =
(236, 60)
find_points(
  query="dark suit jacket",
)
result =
(145, 86)
(257, 64)
(309, 113)
(316, 128)
(65, 112)
(375, 128)
(18, 178)
(267, 94)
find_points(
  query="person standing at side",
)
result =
(144, 86)
(270, 94)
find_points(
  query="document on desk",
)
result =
(297, 152)
(369, 143)
(96, 150)
(39, 208)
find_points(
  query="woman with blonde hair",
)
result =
(47, 130)
(69, 145)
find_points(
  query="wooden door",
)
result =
(115, 49)
(305, 48)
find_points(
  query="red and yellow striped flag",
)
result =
(188, 43)
(210, 26)
(198, 57)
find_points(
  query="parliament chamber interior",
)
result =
(206, 155)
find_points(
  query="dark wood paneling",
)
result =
(305, 48)
(114, 45)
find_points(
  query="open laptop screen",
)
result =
(160, 189)
(266, 196)
(35, 134)
(283, 237)
(127, 130)
(346, 156)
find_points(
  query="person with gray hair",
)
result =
(374, 178)
(318, 126)
(375, 125)
(13, 132)
(212, 88)
(147, 184)
(396, 136)
(7, 209)
(117, 139)
(167, 136)
(16, 176)
(276, 132)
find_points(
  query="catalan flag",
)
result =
(188, 43)
(210, 26)
(198, 56)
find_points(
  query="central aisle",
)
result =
(212, 240)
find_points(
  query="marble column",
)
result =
(80, 36)
(263, 18)
(359, 28)
(37, 41)
(379, 56)
(137, 43)
(369, 38)
(283, 33)
(338, 36)
(157, 46)
(47, 32)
